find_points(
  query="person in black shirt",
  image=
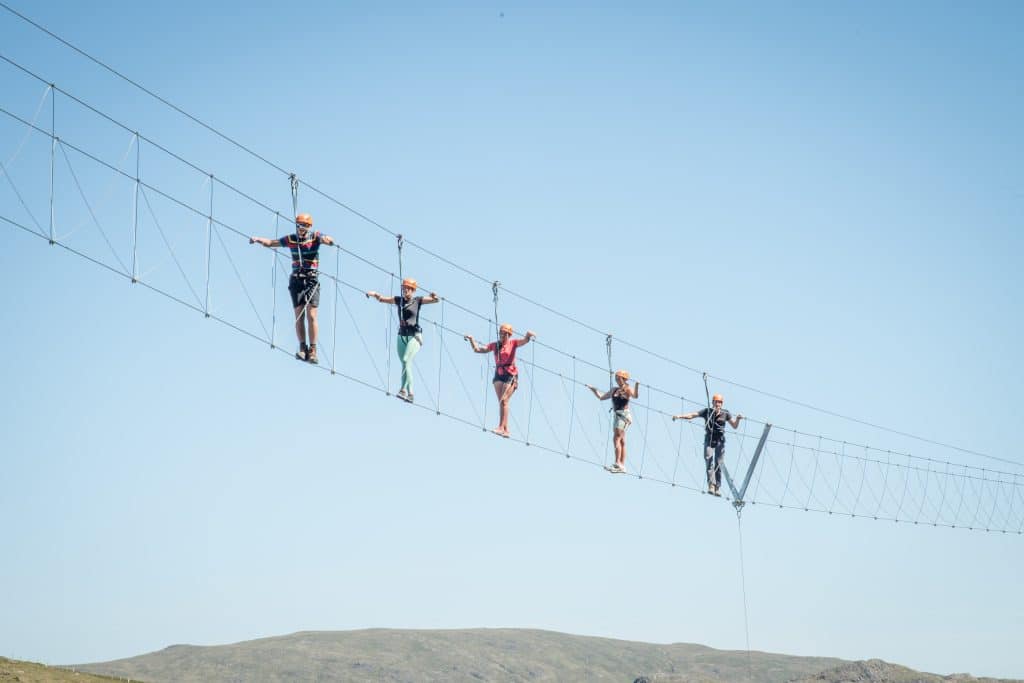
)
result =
(304, 284)
(410, 334)
(715, 420)
(620, 396)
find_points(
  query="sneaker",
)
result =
(400, 395)
(301, 353)
(711, 490)
(408, 398)
(311, 355)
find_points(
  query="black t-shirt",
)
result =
(408, 315)
(714, 425)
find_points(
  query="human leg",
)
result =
(408, 346)
(710, 466)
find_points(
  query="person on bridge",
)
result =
(304, 283)
(410, 334)
(620, 396)
(715, 420)
(506, 375)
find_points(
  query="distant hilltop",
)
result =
(475, 655)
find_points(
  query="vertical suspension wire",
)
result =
(135, 209)
(885, 482)
(533, 383)
(53, 151)
(293, 181)
(401, 243)
(495, 286)
(839, 479)
(387, 338)
(647, 429)
(209, 250)
(440, 354)
(334, 332)
(484, 367)
(611, 387)
(942, 501)
(814, 474)
(273, 284)
(679, 444)
(572, 408)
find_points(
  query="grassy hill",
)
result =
(486, 655)
(12, 671)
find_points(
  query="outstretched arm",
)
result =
(526, 338)
(381, 298)
(476, 347)
(265, 241)
(605, 396)
(433, 298)
(685, 416)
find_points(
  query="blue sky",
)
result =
(820, 201)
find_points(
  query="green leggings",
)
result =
(407, 348)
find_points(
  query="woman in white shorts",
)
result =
(620, 396)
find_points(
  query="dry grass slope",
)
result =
(505, 655)
(12, 671)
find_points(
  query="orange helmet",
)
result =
(505, 327)
(410, 282)
(304, 219)
(718, 398)
(622, 373)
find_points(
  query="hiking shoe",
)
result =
(311, 355)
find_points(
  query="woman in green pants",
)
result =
(410, 334)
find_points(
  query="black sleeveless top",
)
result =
(408, 315)
(620, 399)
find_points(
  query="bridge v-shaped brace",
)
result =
(737, 496)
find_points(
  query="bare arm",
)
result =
(381, 298)
(685, 416)
(327, 239)
(636, 390)
(526, 338)
(735, 422)
(433, 298)
(264, 241)
(476, 347)
(603, 397)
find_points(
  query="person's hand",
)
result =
(252, 240)
(468, 337)
(739, 416)
(433, 295)
(675, 417)
(373, 294)
(530, 334)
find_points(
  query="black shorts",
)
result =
(305, 291)
(505, 379)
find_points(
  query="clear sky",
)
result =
(820, 200)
